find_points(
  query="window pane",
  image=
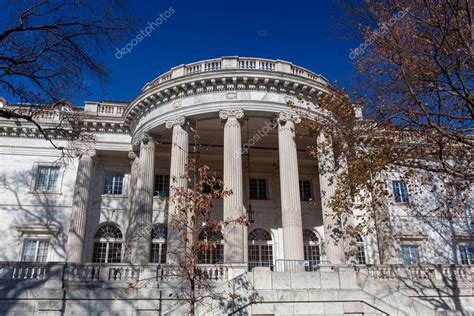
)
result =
(162, 185)
(218, 254)
(410, 254)
(253, 189)
(305, 190)
(258, 189)
(361, 254)
(163, 253)
(115, 252)
(100, 252)
(29, 250)
(467, 254)
(113, 183)
(400, 192)
(53, 178)
(35, 250)
(47, 178)
(42, 251)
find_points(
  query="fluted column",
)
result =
(347, 218)
(178, 180)
(143, 201)
(290, 195)
(327, 183)
(132, 193)
(235, 233)
(80, 205)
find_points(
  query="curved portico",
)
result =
(235, 105)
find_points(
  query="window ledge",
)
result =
(156, 197)
(114, 196)
(401, 204)
(45, 192)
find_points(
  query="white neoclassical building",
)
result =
(67, 223)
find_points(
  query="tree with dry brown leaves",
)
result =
(415, 89)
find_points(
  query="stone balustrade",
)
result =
(124, 272)
(24, 271)
(235, 63)
(101, 272)
(420, 272)
(110, 110)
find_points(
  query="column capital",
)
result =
(180, 120)
(231, 113)
(284, 117)
(145, 138)
(132, 155)
(89, 152)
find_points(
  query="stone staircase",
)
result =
(341, 290)
(122, 289)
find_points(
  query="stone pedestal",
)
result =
(80, 205)
(178, 180)
(290, 195)
(333, 236)
(235, 233)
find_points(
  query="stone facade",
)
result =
(72, 228)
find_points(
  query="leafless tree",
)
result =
(49, 48)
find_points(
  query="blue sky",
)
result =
(298, 31)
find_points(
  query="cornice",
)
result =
(231, 81)
(10, 129)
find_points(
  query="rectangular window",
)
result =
(258, 189)
(216, 186)
(467, 254)
(35, 250)
(411, 254)
(400, 191)
(113, 183)
(361, 254)
(305, 190)
(162, 185)
(47, 179)
(158, 252)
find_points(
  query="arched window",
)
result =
(360, 256)
(215, 247)
(260, 248)
(159, 233)
(312, 252)
(108, 244)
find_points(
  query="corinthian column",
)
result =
(142, 211)
(235, 233)
(178, 180)
(80, 205)
(333, 233)
(290, 195)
